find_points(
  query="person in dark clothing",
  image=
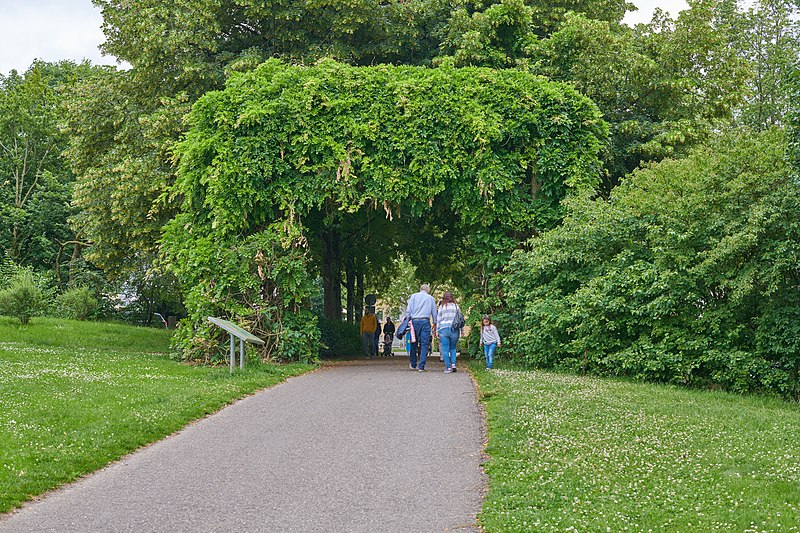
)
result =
(377, 336)
(389, 328)
(388, 335)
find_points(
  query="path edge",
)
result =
(66, 486)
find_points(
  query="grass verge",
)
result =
(78, 395)
(571, 453)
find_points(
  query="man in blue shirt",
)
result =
(421, 309)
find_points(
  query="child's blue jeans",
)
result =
(488, 351)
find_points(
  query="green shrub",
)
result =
(23, 298)
(261, 283)
(78, 303)
(339, 339)
(687, 275)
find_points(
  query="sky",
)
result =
(53, 30)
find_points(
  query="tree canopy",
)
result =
(497, 150)
(663, 87)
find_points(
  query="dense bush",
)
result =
(260, 282)
(78, 303)
(689, 274)
(339, 339)
(23, 298)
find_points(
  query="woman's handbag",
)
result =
(458, 320)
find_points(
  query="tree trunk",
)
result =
(57, 264)
(76, 253)
(151, 302)
(350, 285)
(14, 254)
(359, 296)
(332, 274)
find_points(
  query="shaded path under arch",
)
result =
(358, 446)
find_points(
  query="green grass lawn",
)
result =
(77, 395)
(569, 453)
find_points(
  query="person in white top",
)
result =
(421, 309)
(448, 337)
(490, 340)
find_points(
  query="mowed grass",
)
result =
(570, 453)
(76, 395)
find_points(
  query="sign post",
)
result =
(236, 332)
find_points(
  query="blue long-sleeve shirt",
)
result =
(421, 305)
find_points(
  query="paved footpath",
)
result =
(364, 446)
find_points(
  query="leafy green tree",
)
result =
(120, 148)
(663, 87)
(498, 33)
(793, 116)
(29, 152)
(35, 181)
(123, 125)
(189, 47)
(496, 150)
(767, 37)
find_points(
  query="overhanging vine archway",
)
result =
(285, 153)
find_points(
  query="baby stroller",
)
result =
(387, 345)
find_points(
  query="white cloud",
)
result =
(50, 30)
(646, 8)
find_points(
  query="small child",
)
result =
(490, 340)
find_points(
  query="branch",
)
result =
(37, 174)
(79, 243)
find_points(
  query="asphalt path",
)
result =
(361, 446)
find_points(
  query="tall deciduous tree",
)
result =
(496, 151)
(119, 146)
(35, 181)
(187, 45)
(663, 86)
(498, 33)
(120, 141)
(766, 35)
(123, 125)
(793, 116)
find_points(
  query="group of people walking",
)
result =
(371, 331)
(422, 311)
